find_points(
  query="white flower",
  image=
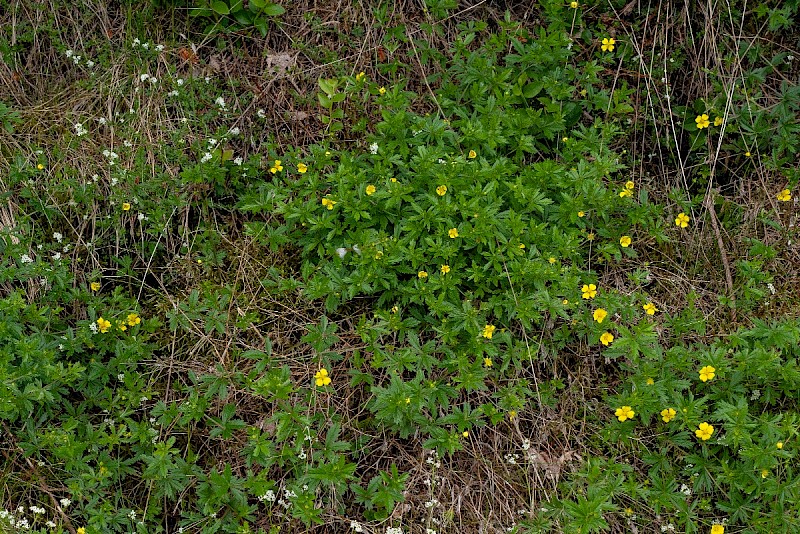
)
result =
(79, 129)
(37, 509)
(373, 148)
(180, 82)
(356, 526)
(76, 59)
(69, 53)
(394, 530)
(206, 157)
(26, 259)
(50, 524)
(159, 48)
(141, 217)
(121, 377)
(212, 142)
(136, 42)
(260, 113)
(526, 444)
(101, 120)
(127, 143)
(237, 161)
(341, 251)
(220, 102)
(57, 236)
(269, 496)
(234, 131)
(93, 328)
(90, 63)
(144, 77)
(145, 45)
(173, 93)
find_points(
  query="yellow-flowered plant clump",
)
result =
(321, 377)
(707, 373)
(704, 431)
(624, 413)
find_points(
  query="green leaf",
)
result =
(273, 10)
(220, 7)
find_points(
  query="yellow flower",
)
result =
(465, 433)
(667, 414)
(650, 308)
(581, 214)
(378, 254)
(682, 220)
(629, 185)
(512, 414)
(393, 180)
(629, 511)
(453, 233)
(521, 246)
(133, 319)
(40, 166)
(747, 154)
(590, 236)
(599, 314)
(488, 330)
(472, 154)
(276, 167)
(589, 291)
(302, 168)
(707, 373)
(95, 286)
(487, 362)
(81, 530)
(649, 381)
(702, 121)
(422, 274)
(785, 195)
(625, 241)
(360, 76)
(606, 338)
(445, 269)
(624, 413)
(551, 259)
(104, 325)
(764, 473)
(441, 190)
(717, 529)
(704, 431)
(322, 378)
(370, 189)
(779, 444)
(573, 4)
(395, 309)
(718, 121)
(625, 193)
(126, 206)
(565, 302)
(122, 326)
(328, 203)
(382, 90)
(608, 44)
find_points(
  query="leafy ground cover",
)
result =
(399, 267)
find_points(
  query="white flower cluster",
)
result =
(137, 43)
(80, 129)
(111, 156)
(269, 496)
